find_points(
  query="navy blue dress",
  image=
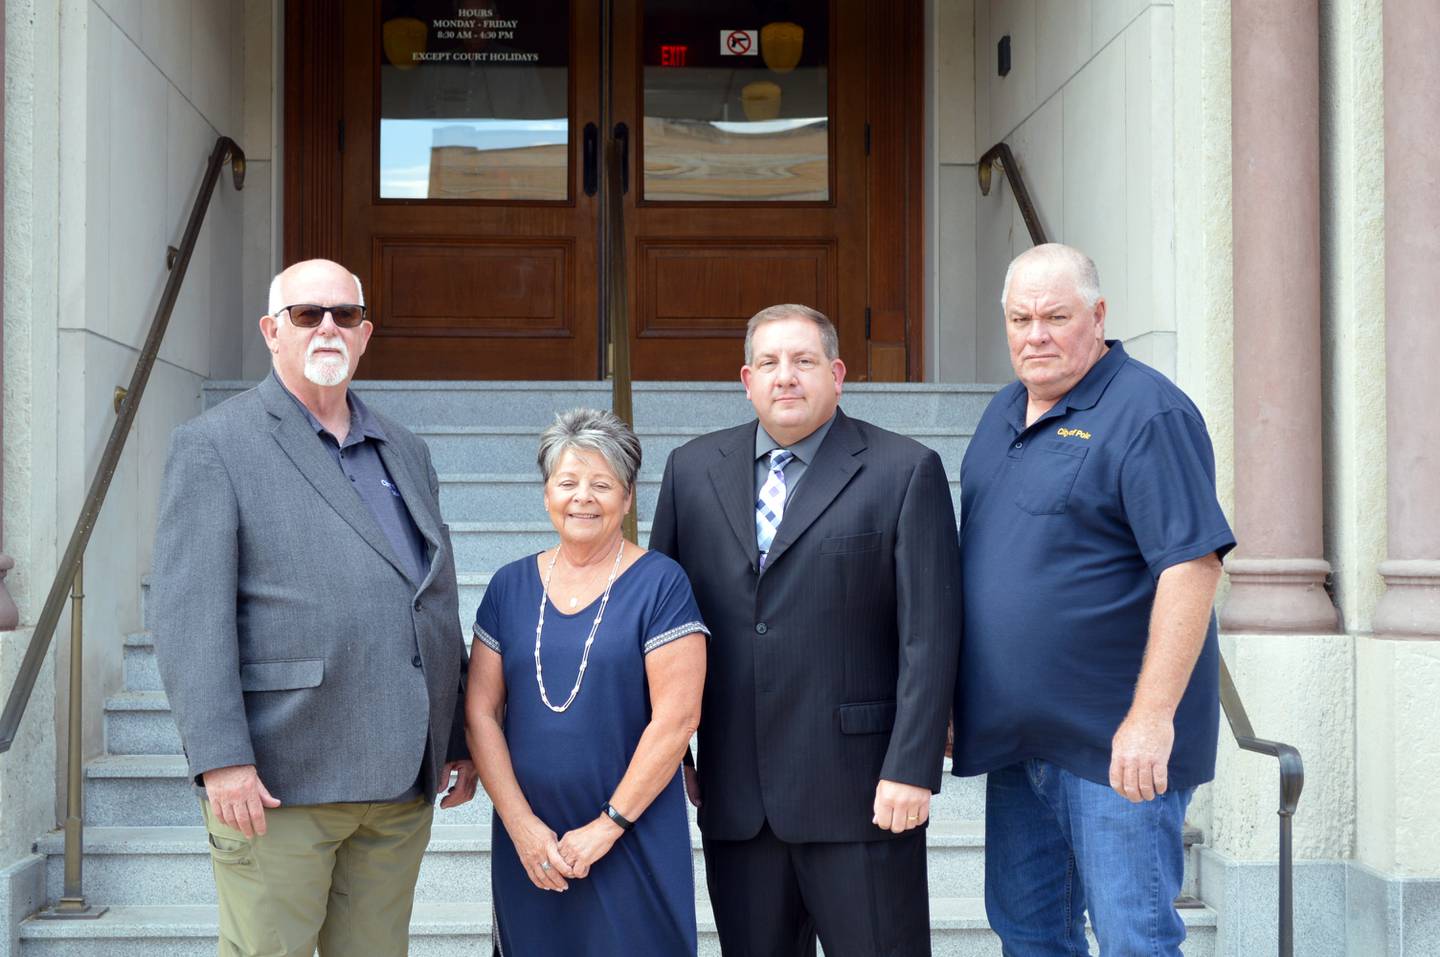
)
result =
(640, 897)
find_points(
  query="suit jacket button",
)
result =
(761, 627)
(415, 661)
(416, 606)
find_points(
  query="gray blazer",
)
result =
(288, 635)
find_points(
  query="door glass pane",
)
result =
(474, 99)
(736, 100)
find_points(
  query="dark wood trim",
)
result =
(915, 195)
(895, 84)
(313, 74)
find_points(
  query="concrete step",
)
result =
(150, 790)
(171, 865)
(141, 672)
(512, 448)
(480, 496)
(958, 929)
(713, 405)
(139, 722)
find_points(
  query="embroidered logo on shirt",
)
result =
(1073, 433)
(396, 492)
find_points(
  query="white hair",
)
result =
(277, 295)
(1087, 277)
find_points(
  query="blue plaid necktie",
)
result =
(770, 506)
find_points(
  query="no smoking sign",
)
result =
(740, 42)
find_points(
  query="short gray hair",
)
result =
(1087, 277)
(277, 294)
(829, 340)
(591, 430)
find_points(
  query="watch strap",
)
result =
(620, 819)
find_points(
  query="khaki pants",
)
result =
(340, 876)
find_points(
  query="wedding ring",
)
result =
(544, 865)
(913, 817)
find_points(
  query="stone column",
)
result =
(9, 615)
(1277, 573)
(1410, 607)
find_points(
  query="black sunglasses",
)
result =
(308, 315)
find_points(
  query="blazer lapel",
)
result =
(734, 480)
(835, 464)
(298, 440)
(415, 502)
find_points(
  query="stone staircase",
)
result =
(146, 854)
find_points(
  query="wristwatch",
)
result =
(614, 815)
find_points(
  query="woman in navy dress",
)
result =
(585, 684)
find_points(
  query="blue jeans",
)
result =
(1057, 845)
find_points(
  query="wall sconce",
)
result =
(403, 37)
(781, 44)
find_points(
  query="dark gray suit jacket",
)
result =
(833, 667)
(287, 633)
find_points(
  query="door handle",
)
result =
(590, 149)
(622, 136)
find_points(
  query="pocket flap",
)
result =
(863, 542)
(284, 675)
(870, 717)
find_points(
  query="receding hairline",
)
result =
(829, 337)
(1084, 275)
(276, 301)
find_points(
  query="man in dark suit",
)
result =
(823, 553)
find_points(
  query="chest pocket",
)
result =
(1046, 476)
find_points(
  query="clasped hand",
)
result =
(570, 856)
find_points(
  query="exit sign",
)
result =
(673, 54)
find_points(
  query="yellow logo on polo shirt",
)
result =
(1073, 433)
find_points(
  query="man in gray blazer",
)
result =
(307, 629)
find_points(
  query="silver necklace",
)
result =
(595, 627)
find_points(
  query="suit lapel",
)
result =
(415, 502)
(302, 445)
(734, 480)
(835, 464)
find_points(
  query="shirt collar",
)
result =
(804, 450)
(363, 424)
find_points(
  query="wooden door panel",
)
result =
(475, 287)
(690, 289)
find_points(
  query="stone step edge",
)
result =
(120, 840)
(136, 921)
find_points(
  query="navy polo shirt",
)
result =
(359, 458)
(1065, 527)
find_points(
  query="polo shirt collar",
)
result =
(804, 450)
(1083, 395)
(363, 423)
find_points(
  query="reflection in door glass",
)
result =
(474, 99)
(736, 100)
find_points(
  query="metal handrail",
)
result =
(67, 575)
(1000, 157)
(1292, 782)
(1292, 768)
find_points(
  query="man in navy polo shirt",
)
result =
(1091, 542)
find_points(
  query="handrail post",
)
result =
(72, 904)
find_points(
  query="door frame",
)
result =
(312, 139)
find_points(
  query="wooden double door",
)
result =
(457, 157)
